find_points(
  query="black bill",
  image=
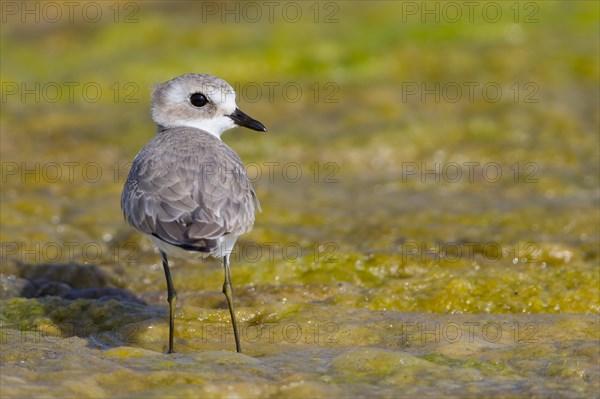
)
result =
(241, 119)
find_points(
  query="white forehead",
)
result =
(216, 90)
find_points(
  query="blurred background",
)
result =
(421, 156)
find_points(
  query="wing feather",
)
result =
(188, 188)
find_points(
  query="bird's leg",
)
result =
(228, 291)
(171, 298)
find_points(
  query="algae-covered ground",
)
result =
(429, 185)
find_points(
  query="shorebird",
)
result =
(187, 190)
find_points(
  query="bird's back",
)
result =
(189, 189)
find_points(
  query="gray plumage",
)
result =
(188, 188)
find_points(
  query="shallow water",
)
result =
(410, 244)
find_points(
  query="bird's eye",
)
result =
(198, 100)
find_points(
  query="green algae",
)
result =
(54, 316)
(428, 360)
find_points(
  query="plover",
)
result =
(187, 190)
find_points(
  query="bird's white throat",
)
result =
(215, 126)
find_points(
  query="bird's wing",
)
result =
(189, 191)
